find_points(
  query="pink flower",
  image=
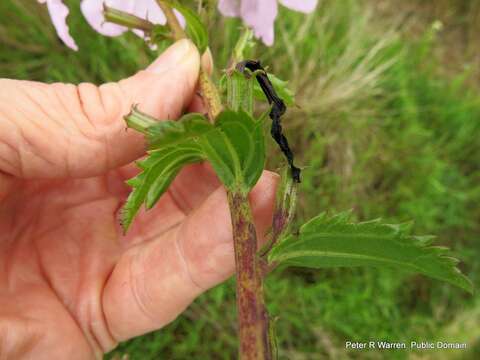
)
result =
(93, 12)
(145, 9)
(260, 14)
(58, 13)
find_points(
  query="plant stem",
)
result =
(209, 91)
(253, 319)
(210, 95)
(125, 19)
(284, 211)
(172, 20)
(240, 48)
(139, 121)
(252, 313)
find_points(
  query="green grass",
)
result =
(385, 127)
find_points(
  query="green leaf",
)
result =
(236, 149)
(159, 170)
(195, 30)
(172, 133)
(337, 242)
(234, 146)
(280, 86)
(172, 145)
(169, 165)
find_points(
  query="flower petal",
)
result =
(305, 6)
(180, 18)
(260, 15)
(93, 12)
(145, 9)
(58, 13)
(151, 11)
(229, 7)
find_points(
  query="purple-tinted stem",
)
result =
(252, 313)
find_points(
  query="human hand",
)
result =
(71, 285)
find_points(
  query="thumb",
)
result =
(63, 130)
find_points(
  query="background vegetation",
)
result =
(388, 124)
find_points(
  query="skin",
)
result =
(71, 284)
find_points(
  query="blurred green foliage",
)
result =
(386, 124)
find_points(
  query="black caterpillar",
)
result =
(278, 109)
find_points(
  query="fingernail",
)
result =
(173, 56)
